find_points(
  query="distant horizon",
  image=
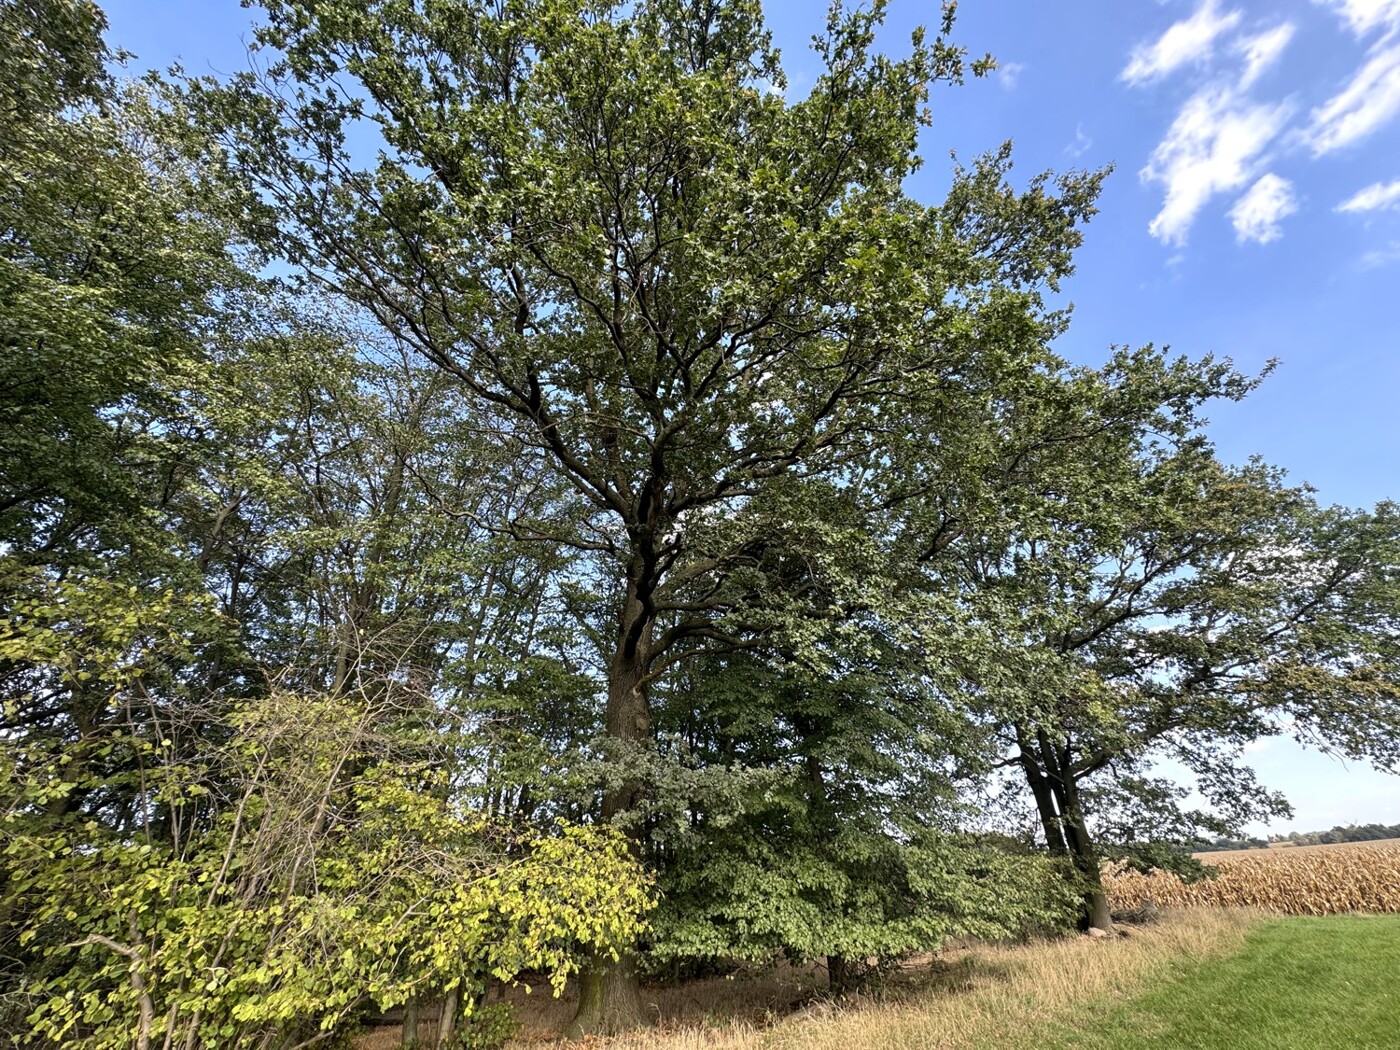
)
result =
(1286, 836)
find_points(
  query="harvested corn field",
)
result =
(1306, 880)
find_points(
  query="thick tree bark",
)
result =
(610, 992)
(609, 999)
(840, 974)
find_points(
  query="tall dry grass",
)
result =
(968, 998)
(988, 996)
(1303, 880)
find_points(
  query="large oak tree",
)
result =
(684, 289)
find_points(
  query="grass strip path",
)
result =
(1330, 983)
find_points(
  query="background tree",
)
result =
(1166, 606)
(111, 251)
(249, 616)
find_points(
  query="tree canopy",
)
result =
(503, 489)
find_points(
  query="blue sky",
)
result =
(1254, 213)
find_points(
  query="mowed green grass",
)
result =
(1306, 983)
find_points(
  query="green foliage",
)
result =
(112, 253)
(332, 880)
(490, 1027)
(1153, 603)
(628, 485)
(754, 893)
(821, 820)
(55, 57)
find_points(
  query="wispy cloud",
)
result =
(1381, 256)
(1364, 105)
(1378, 196)
(1223, 137)
(1212, 147)
(1082, 143)
(1009, 74)
(1364, 16)
(1262, 50)
(1258, 213)
(1190, 40)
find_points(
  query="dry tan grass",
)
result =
(957, 999)
(1304, 880)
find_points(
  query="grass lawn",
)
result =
(1306, 983)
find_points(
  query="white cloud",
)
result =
(1257, 214)
(1375, 197)
(1371, 99)
(1082, 143)
(1190, 40)
(1262, 50)
(1009, 74)
(1381, 256)
(1365, 15)
(1211, 148)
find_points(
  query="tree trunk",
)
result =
(1050, 821)
(148, 1009)
(1044, 796)
(1097, 914)
(1056, 790)
(410, 1022)
(1086, 860)
(838, 974)
(610, 993)
(609, 999)
(447, 1021)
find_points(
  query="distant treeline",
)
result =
(1341, 833)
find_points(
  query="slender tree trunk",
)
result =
(1044, 797)
(141, 1038)
(410, 1021)
(1050, 821)
(447, 1020)
(840, 974)
(1086, 859)
(610, 992)
(148, 1009)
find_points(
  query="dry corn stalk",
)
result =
(1319, 880)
